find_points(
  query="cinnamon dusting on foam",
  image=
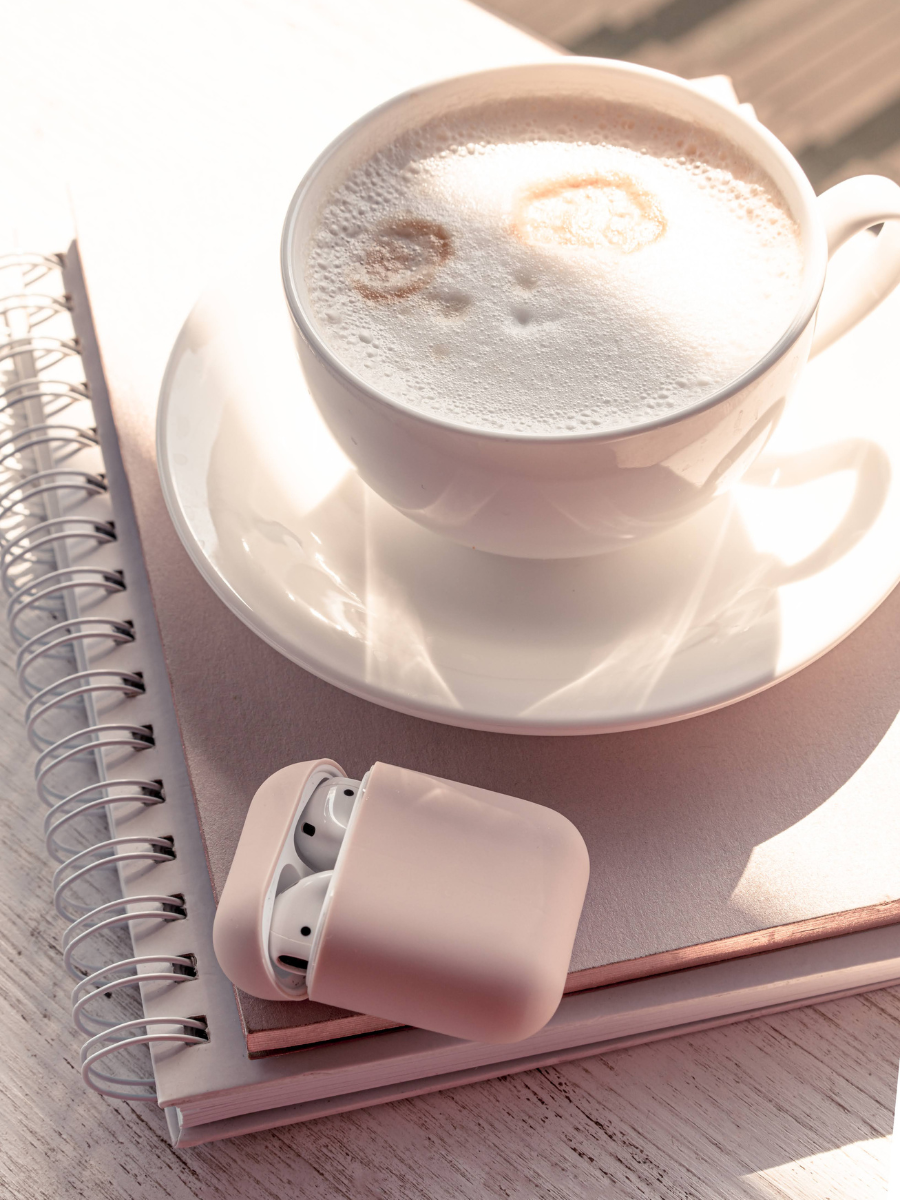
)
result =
(589, 211)
(549, 264)
(402, 257)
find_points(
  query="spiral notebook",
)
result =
(151, 707)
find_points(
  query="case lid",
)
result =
(452, 908)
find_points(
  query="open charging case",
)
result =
(406, 897)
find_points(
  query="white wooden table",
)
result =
(798, 1105)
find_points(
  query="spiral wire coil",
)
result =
(43, 540)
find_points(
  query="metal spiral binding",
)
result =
(94, 1049)
(171, 909)
(43, 541)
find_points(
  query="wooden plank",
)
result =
(749, 29)
(813, 69)
(794, 46)
(843, 96)
(567, 21)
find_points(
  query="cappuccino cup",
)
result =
(549, 310)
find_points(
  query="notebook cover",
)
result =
(762, 825)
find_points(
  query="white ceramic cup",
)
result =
(571, 494)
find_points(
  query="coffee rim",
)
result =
(813, 247)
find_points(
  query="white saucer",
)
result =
(757, 586)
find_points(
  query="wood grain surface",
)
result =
(794, 1106)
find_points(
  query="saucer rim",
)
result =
(467, 716)
(445, 715)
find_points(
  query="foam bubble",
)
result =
(546, 265)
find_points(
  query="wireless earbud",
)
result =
(403, 896)
(295, 919)
(323, 822)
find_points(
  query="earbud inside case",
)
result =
(406, 897)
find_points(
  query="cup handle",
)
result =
(849, 208)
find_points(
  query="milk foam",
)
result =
(549, 266)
